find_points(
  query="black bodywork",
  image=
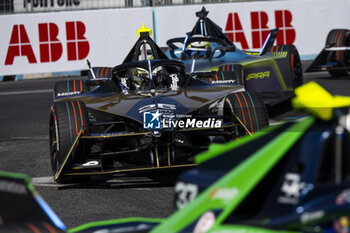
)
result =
(118, 137)
(269, 72)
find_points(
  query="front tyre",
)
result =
(250, 110)
(67, 118)
(294, 61)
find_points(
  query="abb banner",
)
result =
(304, 23)
(260, 29)
(50, 47)
(62, 41)
(53, 42)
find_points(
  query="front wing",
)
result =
(97, 169)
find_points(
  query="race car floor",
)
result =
(24, 108)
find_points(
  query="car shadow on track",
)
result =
(154, 180)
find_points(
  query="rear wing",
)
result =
(270, 40)
(22, 209)
(268, 44)
(99, 72)
(322, 62)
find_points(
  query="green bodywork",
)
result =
(240, 179)
(20, 176)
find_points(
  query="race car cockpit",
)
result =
(143, 76)
(198, 49)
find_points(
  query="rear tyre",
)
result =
(294, 61)
(69, 88)
(339, 38)
(100, 72)
(67, 118)
(249, 108)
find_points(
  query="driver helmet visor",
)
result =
(198, 48)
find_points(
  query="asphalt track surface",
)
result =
(24, 116)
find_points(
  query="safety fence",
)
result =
(62, 41)
(30, 6)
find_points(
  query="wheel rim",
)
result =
(297, 71)
(230, 119)
(53, 146)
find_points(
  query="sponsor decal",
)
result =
(226, 195)
(259, 28)
(152, 107)
(223, 81)
(343, 198)
(278, 54)
(259, 75)
(12, 187)
(68, 93)
(291, 188)
(151, 120)
(186, 193)
(125, 87)
(90, 163)
(311, 216)
(206, 222)
(50, 47)
(159, 120)
(174, 81)
(191, 123)
(49, 3)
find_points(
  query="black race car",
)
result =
(274, 71)
(145, 114)
(335, 57)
